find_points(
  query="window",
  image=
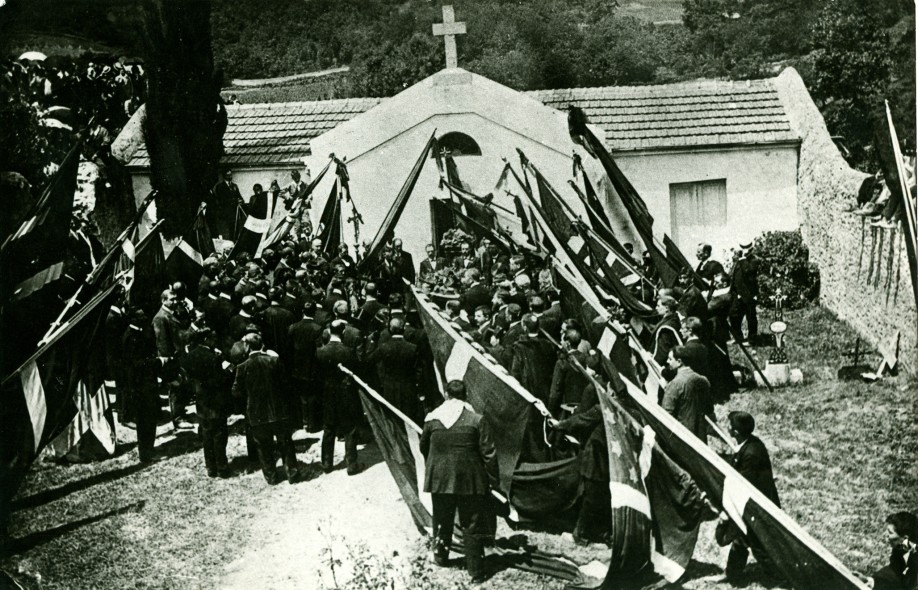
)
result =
(459, 144)
(697, 208)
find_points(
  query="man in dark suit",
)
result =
(744, 287)
(276, 321)
(692, 302)
(225, 200)
(430, 265)
(341, 409)
(902, 571)
(567, 381)
(204, 368)
(461, 466)
(370, 307)
(707, 268)
(709, 360)
(260, 381)
(532, 359)
(142, 368)
(475, 293)
(236, 327)
(305, 336)
(403, 263)
(666, 334)
(398, 369)
(168, 325)
(752, 461)
(719, 311)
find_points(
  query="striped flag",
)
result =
(398, 438)
(143, 261)
(329, 228)
(627, 194)
(300, 201)
(33, 256)
(32, 262)
(387, 229)
(91, 433)
(494, 393)
(39, 397)
(186, 261)
(656, 507)
(798, 556)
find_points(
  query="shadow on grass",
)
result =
(57, 493)
(32, 540)
(700, 569)
(185, 442)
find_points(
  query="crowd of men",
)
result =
(264, 338)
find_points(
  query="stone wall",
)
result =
(864, 269)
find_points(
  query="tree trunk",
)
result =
(185, 115)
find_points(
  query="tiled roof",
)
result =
(672, 116)
(690, 114)
(277, 133)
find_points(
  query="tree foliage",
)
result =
(860, 50)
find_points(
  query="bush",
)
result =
(784, 263)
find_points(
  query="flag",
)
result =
(656, 507)
(298, 202)
(144, 261)
(186, 261)
(398, 438)
(33, 256)
(387, 229)
(91, 433)
(259, 216)
(634, 204)
(799, 557)
(604, 335)
(623, 263)
(678, 258)
(595, 210)
(39, 397)
(112, 264)
(32, 265)
(601, 256)
(497, 396)
(329, 230)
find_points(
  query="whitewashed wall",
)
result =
(761, 189)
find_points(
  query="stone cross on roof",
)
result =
(448, 29)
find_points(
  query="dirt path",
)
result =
(290, 540)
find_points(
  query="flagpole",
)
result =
(65, 327)
(375, 395)
(93, 275)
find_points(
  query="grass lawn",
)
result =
(844, 456)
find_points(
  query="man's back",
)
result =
(259, 380)
(305, 336)
(688, 398)
(753, 462)
(458, 457)
(533, 364)
(276, 321)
